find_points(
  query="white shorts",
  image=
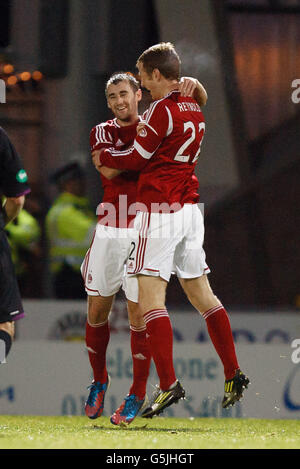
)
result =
(104, 265)
(169, 243)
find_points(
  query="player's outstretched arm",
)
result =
(126, 160)
(151, 133)
(189, 86)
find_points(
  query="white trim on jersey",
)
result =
(148, 113)
(150, 127)
(101, 135)
(170, 126)
(154, 104)
(151, 109)
(116, 123)
(136, 146)
(144, 153)
(114, 152)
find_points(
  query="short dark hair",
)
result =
(164, 57)
(117, 77)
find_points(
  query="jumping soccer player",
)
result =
(166, 152)
(103, 267)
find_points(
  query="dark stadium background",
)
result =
(246, 53)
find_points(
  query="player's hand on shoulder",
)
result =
(187, 86)
(192, 88)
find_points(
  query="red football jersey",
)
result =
(166, 153)
(106, 135)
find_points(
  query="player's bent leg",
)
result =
(152, 293)
(97, 339)
(201, 296)
(7, 332)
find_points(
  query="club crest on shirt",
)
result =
(143, 133)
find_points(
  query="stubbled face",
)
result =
(150, 82)
(123, 102)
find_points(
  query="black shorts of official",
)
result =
(11, 308)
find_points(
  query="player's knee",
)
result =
(98, 309)
(133, 309)
(97, 317)
(152, 293)
(199, 293)
(135, 315)
(203, 301)
(195, 301)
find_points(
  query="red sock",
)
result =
(219, 329)
(160, 339)
(141, 359)
(96, 339)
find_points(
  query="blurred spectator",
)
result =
(24, 235)
(70, 224)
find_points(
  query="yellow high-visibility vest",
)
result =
(23, 232)
(70, 224)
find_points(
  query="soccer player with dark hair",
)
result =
(165, 152)
(14, 187)
(103, 267)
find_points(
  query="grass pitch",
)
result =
(33, 432)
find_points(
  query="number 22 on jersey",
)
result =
(182, 154)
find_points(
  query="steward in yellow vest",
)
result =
(23, 233)
(70, 225)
